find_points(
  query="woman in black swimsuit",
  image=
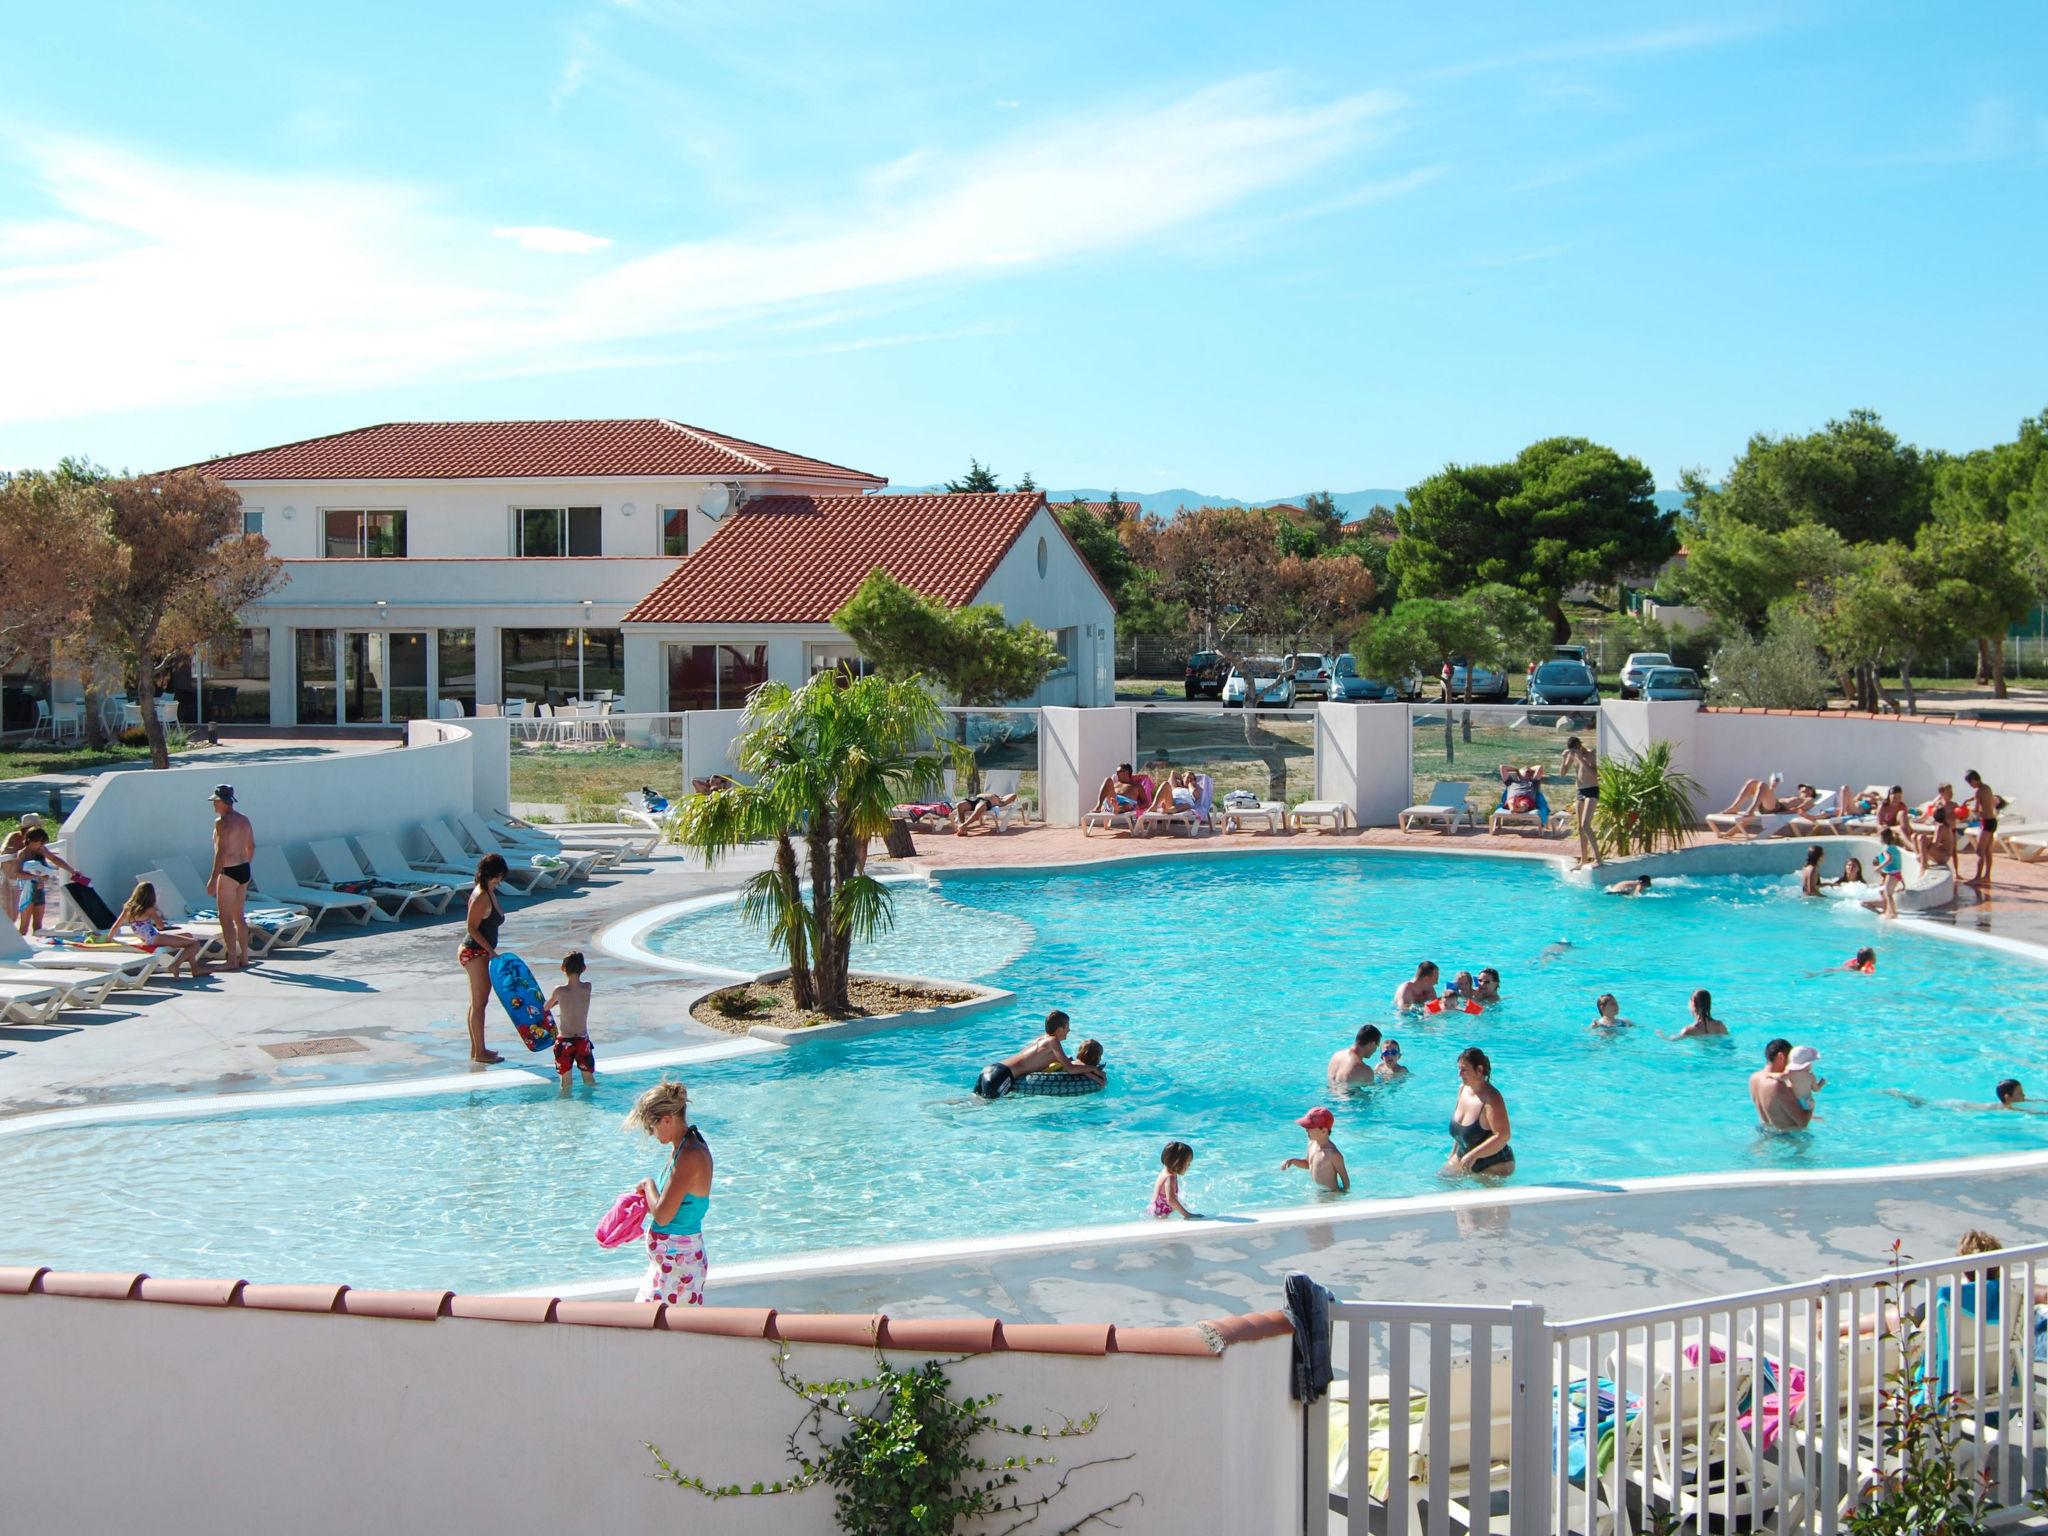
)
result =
(1479, 1121)
(480, 947)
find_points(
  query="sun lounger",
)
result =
(1752, 824)
(129, 967)
(340, 868)
(1234, 818)
(1444, 809)
(1827, 815)
(569, 864)
(457, 857)
(1110, 820)
(2027, 841)
(30, 1002)
(633, 840)
(283, 924)
(275, 882)
(1196, 818)
(1334, 814)
(1505, 820)
(606, 851)
(381, 852)
(1007, 781)
(81, 989)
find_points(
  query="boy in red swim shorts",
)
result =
(570, 1004)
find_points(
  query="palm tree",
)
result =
(829, 761)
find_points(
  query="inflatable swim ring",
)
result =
(1059, 1085)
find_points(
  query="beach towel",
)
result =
(621, 1224)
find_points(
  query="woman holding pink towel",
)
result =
(676, 1266)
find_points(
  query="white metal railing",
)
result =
(1776, 1410)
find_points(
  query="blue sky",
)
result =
(1246, 249)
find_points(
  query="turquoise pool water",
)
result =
(1219, 987)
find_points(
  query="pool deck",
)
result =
(393, 995)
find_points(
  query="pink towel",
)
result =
(621, 1224)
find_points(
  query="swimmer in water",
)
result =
(2010, 1095)
(1552, 951)
(1634, 887)
(1610, 1014)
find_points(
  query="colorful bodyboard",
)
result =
(521, 995)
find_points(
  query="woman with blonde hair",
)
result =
(676, 1266)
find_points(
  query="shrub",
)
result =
(1645, 804)
(737, 1003)
(1782, 670)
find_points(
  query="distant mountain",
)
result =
(1352, 504)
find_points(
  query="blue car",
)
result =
(1673, 683)
(1348, 687)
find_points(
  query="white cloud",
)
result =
(1008, 103)
(146, 282)
(547, 237)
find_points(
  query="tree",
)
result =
(1027, 484)
(973, 652)
(175, 572)
(1101, 548)
(1853, 476)
(53, 534)
(1566, 512)
(1512, 628)
(1219, 561)
(1985, 569)
(1414, 638)
(1999, 488)
(1782, 670)
(830, 760)
(978, 479)
(1902, 606)
(1320, 595)
(1738, 571)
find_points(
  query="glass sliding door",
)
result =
(362, 684)
(405, 676)
(317, 673)
(457, 662)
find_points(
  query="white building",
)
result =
(471, 563)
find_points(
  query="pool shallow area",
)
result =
(1219, 986)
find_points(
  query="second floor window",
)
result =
(252, 520)
(354, 535)
(675, 530)
(558, 531)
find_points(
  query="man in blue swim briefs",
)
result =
(1038, 1056)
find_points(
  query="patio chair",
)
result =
(78, 989)
(340, 868)
(1008, 781)
(1198, 818)
(68, 718)
(388, 863)
(283, 924)
(129, 967)
(46, 724)
(456, 857)
(276, 883)
(1444, 809)
(568, 863)
(30, 1002)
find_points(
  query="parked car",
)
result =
(1571, 653)
(1638, 666)
(1206, 671)
(1348, 687)
(1563, 682)
(1487, 684)
(1271, 683)
(1673, 683)
(1311, 672)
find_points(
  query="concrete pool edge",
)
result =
(1146, 1232)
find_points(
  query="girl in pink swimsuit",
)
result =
(1173, 1162)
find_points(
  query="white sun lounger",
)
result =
(1769, 823)
(275, 882)
(129, 967)
(338, 866)
(381, 852)
(1334, 814)
(633, 840)
(486, 838)
(282, 924)
(1007, 781)
(607, 850)
(1196, 818)
(81, 989)
(1447, 805)
(457, 857)
(30, 1002)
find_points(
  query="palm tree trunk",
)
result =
(801, 987)
(827, 968)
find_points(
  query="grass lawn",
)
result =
(1150, 688)
(591, 781)
(28, 762)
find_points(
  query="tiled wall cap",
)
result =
(949, 1335)
(1248, 1326)
(412, 1306)
(609, 1314)
(100, 1285)
(504, 1309)
(293, 1298)
(20, 1279)
(1167, 1341)
(828, 1327)
(723, 1322)
(190, 1293)
(1059, 1338)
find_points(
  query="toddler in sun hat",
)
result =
(1325, 1164)
(1799, 1073)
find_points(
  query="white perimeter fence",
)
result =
(1776, 1410)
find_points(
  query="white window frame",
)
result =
(256, 526)
(562, 512)
(362, 514)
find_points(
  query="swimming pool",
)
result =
(1219, 986)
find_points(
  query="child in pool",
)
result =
(1390, 1068)
(1864, 960)
(1610, 1014)
(1799, 1074)
(1173, 1162)
(1325, 1164)
(570, 1005)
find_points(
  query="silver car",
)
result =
(1272, 683)
(1678, 683)
(1311, 674)
(1640, 665)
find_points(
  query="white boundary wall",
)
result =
(128, 819)
(198, 1419)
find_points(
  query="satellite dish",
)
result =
(715, 501)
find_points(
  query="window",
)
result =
(837, 655)
(552, 666)
(1063, 641)
(358, 535)
(237, 678)
(551, 532)
(252, 521)
(1042, 552)
(675, 530)
(318, 677)
(456, 658)
(714, 676)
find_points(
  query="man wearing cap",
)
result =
(1775, 1095)
(234, 845)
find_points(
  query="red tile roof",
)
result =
(797, 559)
(480, 450)
(971, 1335)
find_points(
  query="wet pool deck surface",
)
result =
(396, 991)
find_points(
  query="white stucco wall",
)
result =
(1363, 759)
(128, 819)
(1066, 595)
(1080, 748)
(192, 1420)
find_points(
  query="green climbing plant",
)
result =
(1645, 804)
(911, 1464)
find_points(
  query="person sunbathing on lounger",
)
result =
(970, 811)
(1124, 792)
(1760, 797)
